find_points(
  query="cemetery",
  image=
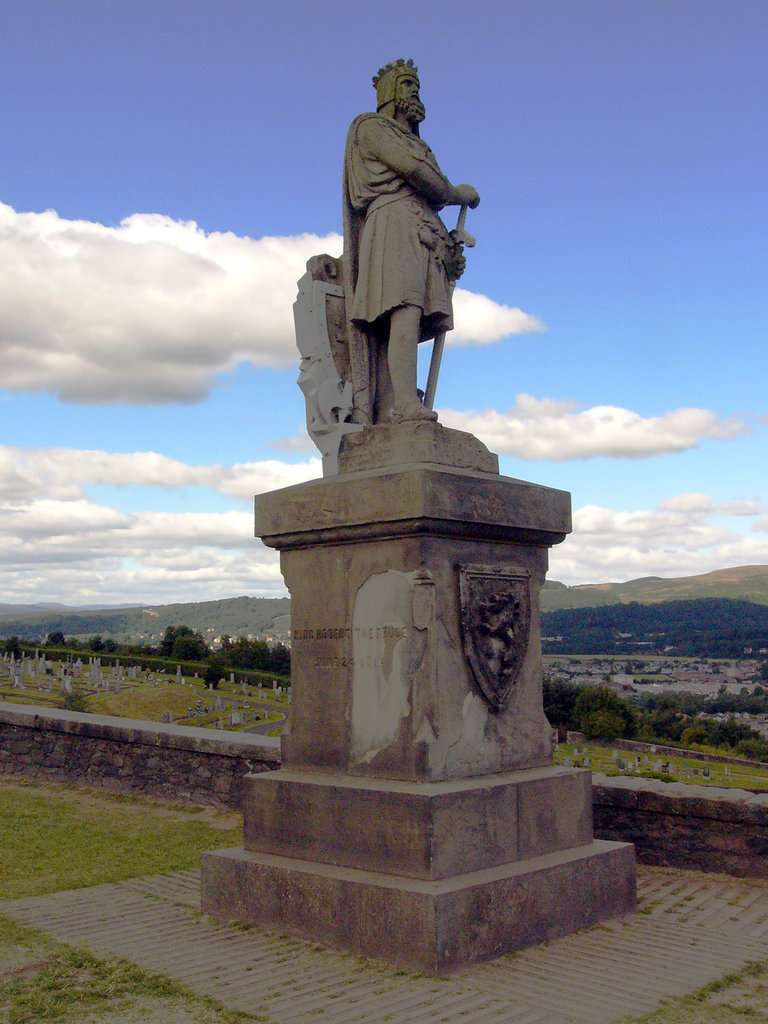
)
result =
(656, 762)
(142, 693)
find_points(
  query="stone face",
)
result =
(428, 831)
(380, 682)
(161, 760)
(434, 926)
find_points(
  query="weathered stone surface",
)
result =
(119, 754)
(385, 446)
(694, 827)
(421, 830)
(728, 832)
(434, 926)
(400, 261)
(420, 498)
(380, 682)
(418, 816)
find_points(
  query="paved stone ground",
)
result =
(691, 929)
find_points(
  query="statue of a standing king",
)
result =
(399, 258)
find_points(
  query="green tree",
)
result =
(56, 639)
(696, 734)
(280, 660)
(184, 644)
(12, 646)
(559, 702)
(166, 644)
(189, 646)
(215, 669)
(602, 715)
(665, 721)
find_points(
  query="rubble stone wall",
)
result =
(696, 827)
(168, 761)
(700, 828)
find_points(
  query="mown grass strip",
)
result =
(52, 838)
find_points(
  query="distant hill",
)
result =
(237, 616)
(263, 616)
(744, 583)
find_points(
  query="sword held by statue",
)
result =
(461, 236)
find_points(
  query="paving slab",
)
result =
(690, 929)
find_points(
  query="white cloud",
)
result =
(702, 503)
(677, 538)
(57, 544)
(154, 309)
(558, 431)
(479, 320)
(65, 473)
(79, 552)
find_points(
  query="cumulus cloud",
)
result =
(65, 474)
(154, 309)
(559, 430)
(682, 536)
(79, 552)
(58, 543)
(480, 321)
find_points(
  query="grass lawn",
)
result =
(54, 838)
(43, 980)
(686, 768)
(154, 698)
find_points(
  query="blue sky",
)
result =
(169, 167)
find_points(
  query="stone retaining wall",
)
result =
(699, 827)
(120, 754)
(674, 824)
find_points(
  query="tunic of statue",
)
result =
(399, 258)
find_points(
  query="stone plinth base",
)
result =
(432, 926)
(374, 562)
(429, 876)
(421, 830)
(417, 816)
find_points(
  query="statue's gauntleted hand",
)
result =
(454, 260)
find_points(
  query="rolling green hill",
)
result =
(261, 616)
(744, 583)
(709, 627)
(237, 616)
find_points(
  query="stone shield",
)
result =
(495, 622)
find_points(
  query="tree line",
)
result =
(705, 628)
(180, 645)
(601, 714)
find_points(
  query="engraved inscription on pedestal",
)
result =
(496, 623)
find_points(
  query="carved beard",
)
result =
(414, 111)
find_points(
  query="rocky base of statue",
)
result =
(418, 816)
(428, 876)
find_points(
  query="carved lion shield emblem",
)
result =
(495, 622)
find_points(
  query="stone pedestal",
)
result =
(418, 815)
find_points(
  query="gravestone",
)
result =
(418, 815)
